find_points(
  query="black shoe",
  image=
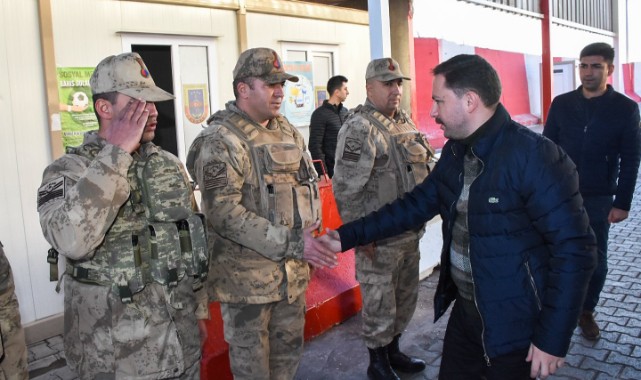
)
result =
(589, 328)
(379, 366)
(401, 362)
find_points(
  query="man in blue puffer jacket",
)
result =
(517, 248)
(599, 129)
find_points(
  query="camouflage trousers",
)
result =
(13, 366)
(265, 340)
(191, 373)
(389, 287)
(154, 337)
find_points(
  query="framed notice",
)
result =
(320, 95)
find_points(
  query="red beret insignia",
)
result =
(276, 61)
(143, 70)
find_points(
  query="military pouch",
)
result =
(165, 254)
(307, 171)
(387, 187)
(281, 158)
(137, 282)
(415, 157)
(165, 192)
(306, 202)
(281, 204)
(193, 246)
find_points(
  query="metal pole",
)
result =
(547, 64)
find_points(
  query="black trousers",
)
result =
(463, 354)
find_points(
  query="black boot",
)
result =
(401, 362)
(379, 367)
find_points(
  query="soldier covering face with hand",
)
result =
(119, 209)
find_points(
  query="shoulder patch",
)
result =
(352, 151)
(214, 175)
(51, 191)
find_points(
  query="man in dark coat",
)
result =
(517, 248)
(326, 122)
(599, 129)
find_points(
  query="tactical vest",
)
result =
(156, 236)
(410, 154)
(285, 186)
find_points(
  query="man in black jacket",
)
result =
(599, 129)
(326, 122)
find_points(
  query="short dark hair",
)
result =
(108, 96)
(599, 48)
(247, 80)
(334, 83)
(470, 72)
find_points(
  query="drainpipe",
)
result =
(547, 64)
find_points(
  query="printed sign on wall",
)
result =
(299, 101)
(76, 104)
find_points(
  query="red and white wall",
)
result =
(512, 44)
(515, 71)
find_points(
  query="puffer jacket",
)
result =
(324, 125)
(532, 251)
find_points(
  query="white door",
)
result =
(565, 77)
(324, 59)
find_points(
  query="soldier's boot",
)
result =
(379, 367)
(401, 362)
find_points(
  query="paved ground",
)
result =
(340, 354)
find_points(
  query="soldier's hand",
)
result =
(368, 250)
(126, 128)
(318, 251)
(331, 240)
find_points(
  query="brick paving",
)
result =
(341, 355)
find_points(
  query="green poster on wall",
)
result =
(76, 105)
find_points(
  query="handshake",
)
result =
(321, 251)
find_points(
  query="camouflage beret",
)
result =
(262, 63)
(384, 70)
(126, 73)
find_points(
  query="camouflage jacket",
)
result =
(372, 166)
(78, 202)
(252, 260)
(9, 313)
(81, 199)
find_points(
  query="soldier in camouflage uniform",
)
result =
(119, 209)
(261, 199)
(380, 156)
(13, 351)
